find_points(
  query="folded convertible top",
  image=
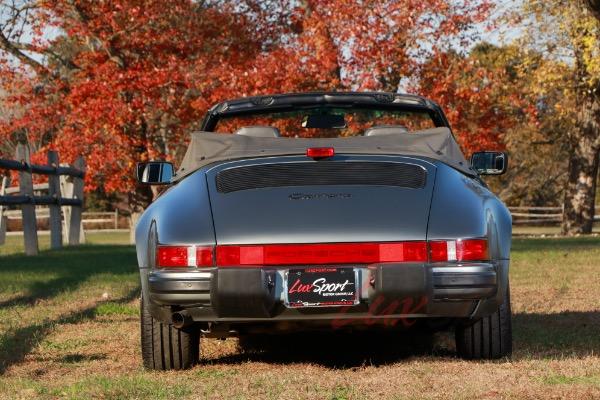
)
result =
(208, 147)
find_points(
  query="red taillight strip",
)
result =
(184, 256)
(321, 253)
(330, 253)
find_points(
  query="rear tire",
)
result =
(165, 347)
(488, 338)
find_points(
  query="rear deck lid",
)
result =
(344, 199)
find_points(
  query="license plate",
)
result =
(321, 287)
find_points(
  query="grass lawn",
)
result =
(69, 329)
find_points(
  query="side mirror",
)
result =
(154, 172)
(489, 162)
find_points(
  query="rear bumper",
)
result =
(386, 291)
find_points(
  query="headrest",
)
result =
(258, 131)
(385, 130)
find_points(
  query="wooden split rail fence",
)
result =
(63, 180)
(540, 215)
(108, 219)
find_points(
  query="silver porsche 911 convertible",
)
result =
(323, 211)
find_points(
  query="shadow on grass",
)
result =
(68, 267)
(17, 343)
(77, 358)
(334, 350)
(565, 334)
(536, 336)
(49, 274)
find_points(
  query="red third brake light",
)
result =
(320, 152)
(327, 253)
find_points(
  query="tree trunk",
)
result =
(580, 192)
(594, 7)
(142, 195)
(584, 143)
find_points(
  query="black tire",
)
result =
(165, 347)
(488, 338)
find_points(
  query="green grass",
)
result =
(36, 291)
(14, 244)
(126, 387)
(570, 380)
(113, 308)
(69, 330)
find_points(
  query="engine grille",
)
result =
(321, 173)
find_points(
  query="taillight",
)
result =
(459, 250)
(349, 253)
(330, 253)
(184, 256)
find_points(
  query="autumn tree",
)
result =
(123, 81)
(474, 97)
(567, 33)
(534, 133)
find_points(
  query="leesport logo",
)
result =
(319, 196)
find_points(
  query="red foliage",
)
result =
(471, 97)
(133, 76)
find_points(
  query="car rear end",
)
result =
(323, 211)
(341, 242)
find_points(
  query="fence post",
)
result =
(54, 192)
(66, 188)
(3, 218)
(27, 210)
(116, 218)
(76, 233)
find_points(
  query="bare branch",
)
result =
(10, 48)
(28, 47)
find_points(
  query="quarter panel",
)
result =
(182, 215)
(461, 208)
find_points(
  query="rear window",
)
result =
(327, 121)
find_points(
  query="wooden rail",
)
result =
(540, 215)
(64, 180)
(87, 217)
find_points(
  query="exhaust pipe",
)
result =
(181, 319)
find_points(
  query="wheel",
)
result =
(165, 347)
(488, 338)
